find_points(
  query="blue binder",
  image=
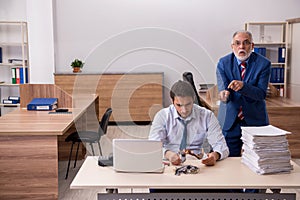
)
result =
(281, 54)
(42, 104)
(0, 55)
(261, 50)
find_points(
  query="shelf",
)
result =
(269, 43)
(280, 64)
(8, 85)
(17, 44)
(10, 65)
(13, 23)
(9, 105)
(277, 83)
(267, 23)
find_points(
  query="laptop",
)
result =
(137, 155)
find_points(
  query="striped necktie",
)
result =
(243, 71)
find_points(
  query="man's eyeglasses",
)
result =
(238, 43)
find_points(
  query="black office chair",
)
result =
(188, 76)
(88, 137)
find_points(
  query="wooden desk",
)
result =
(283, 113)
(228, 173)
(29, 149)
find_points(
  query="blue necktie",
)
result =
(184, 135)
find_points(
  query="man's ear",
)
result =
(252, 46)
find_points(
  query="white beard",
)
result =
(242, 58)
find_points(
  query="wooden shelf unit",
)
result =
(14, 57)
(272, 36)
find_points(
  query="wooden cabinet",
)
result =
(270, 40)
(133, 97)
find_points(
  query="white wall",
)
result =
(14, 10)
(41, 40)
(172, 36)
(138, 35)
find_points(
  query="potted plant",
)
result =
(77, 65)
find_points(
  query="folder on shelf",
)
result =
(7, 101)
(277, 75)
(260, 50)
(18, 75)
(13, 76)
(281, 54)
(22, 81)
(15, 98)
(11, 100)
(0, 54)
(42, 104)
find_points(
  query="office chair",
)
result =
(88, 137)
(188, 76)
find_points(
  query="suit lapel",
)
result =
(250, 67)
(236, 70)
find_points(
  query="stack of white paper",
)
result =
(266, 150)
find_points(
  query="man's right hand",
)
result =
(173, 157)
(224, 95)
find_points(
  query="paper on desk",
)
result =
(265, 150)
(268, 168)
(268, 130)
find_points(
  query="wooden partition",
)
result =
(283, 113)
(30, 91)
(133, 97)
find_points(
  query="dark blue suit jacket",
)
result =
(251, 97)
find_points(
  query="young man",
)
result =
(243, 78)
(168, 126)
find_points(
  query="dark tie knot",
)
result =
(184, 122)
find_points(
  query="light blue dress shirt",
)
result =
(203, 129)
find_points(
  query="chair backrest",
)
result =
(104, 121)
(188, 76)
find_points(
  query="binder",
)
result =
(42, 104)
(17, 75)
(7, 101)
(277, 75)
(0, 54)
(260, 50)
(273, 78)
(22, 81)
(15, 98)
(281, 54)
(13, 76)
